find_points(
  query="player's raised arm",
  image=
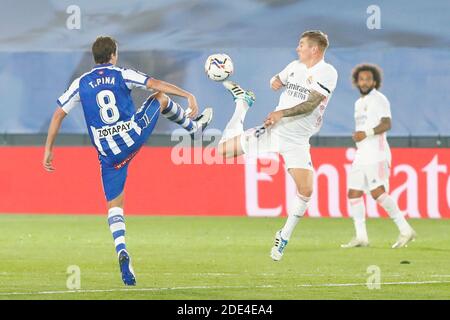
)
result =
(55, 124)
(314, 99)
(279, 80)
(275, 83)
(169, 88)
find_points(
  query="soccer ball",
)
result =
(218, 66)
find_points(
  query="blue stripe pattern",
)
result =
(119, 233)
(176, 115)
(115, 219)
(173, 112)
(121, 247)
(190, 126)
(169, 107)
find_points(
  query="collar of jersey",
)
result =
(103, 65)
(372, 92)
(316, 65)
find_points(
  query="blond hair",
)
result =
(318, 37)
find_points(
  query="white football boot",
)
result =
(355, 243)
(404, 239)
(277, 250)
(238, 93)
(201, 122)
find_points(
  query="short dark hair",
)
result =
(318, 37)
(103, 48)
(373, 68)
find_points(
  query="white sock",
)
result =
(235, 126)
(358, 213)
(394, 212)
(295, 212)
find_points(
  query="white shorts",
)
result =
(369, 177)
(259, 140)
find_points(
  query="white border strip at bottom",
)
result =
(219, 287)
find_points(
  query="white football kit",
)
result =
(371, 166)
(290, 136)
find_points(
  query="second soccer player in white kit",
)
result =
(371, 166)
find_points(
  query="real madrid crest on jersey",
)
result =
(309, 80)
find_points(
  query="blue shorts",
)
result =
(114, 170)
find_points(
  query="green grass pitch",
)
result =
(219, 258)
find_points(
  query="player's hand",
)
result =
(359, 136)
(48, 158)
(273, 118)
(275, 83)
(193, 107)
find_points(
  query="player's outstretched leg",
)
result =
(116, 223)
(295, 211)
(229, 144)
(358, 213)
(239, 94)
(175, 113)
(304, 180)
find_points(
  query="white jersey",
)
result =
(299, 81)
(369, 110)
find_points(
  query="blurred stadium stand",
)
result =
(170, 40)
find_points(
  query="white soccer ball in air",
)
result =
(218, 66)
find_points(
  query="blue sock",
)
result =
(116, 223)
(175, 113)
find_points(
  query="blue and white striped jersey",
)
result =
(105, 95)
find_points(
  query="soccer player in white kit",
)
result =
(371, 166)
(308, 84)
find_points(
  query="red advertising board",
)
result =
(162, 182)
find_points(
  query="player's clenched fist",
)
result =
(275, 83)
(193, 107)
(359, 136)
(273, 118)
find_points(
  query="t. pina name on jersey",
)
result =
(104, 80)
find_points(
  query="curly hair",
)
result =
(374, 69)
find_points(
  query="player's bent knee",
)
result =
(354, 194)
(226, 150)
(221, 149)
(305, 192)
(116, 202)
(230, 148)
(162, 98)
(376, 193)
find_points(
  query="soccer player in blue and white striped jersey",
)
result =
(116, 129)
